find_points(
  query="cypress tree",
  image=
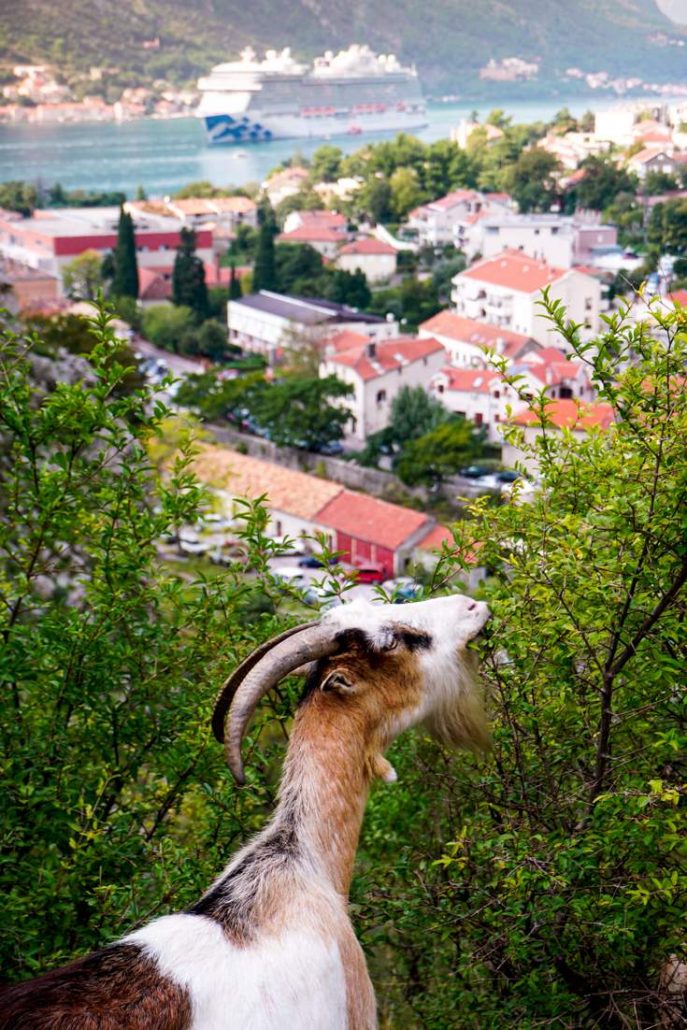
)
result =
(265, 268)
(188, 277)
(235, 291)
(125, 278)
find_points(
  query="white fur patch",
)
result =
(292, 982)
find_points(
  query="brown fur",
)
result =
(116, 988)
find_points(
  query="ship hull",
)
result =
(228, 129)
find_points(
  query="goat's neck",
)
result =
(325, 785)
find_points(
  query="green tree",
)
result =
(325, 164)
(349, 288)
(166, 326)
(125, 278)
(439, 453)
(300, 410)
(235, 291)
(531, 180)
(265, 268)
(602, 183)
(299, 268)
(188, 277)
(212, 340)
(82, 276)
(18, 196)
(406, 192)
(414, 413)
(658, 182)
(667, 229)
(375, 199)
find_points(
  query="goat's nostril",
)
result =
(472, 606)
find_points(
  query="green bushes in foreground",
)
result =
(541, 886)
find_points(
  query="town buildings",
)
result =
(51, 238)
(570, 415)
(361, 528)
(556, 239)
(470, 343)
(375, 258)
(505, 290)
(269, 323)
(447, 219)
(377, 370)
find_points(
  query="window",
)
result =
(381, 396)
(497, 418)
(496, 394)
(588, 304)
(479, 418)
(554, 230)
(565, 393)
(440, 388)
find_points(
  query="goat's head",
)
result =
(396, 665)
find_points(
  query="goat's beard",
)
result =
(460, 719)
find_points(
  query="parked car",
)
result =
(314, 561)
(368, 572)
(475, 471)
(330, 449)
(191, 544)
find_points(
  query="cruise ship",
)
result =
(349, 93)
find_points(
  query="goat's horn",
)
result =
(261, 671)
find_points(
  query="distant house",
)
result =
(369, 530)
(435, 222)
(652, 159)
(475, 394)
(269, 323)
(562, 414)
(326, 231)
(294, 499)
(23, 288)
(285, 184)
(506, 291)
(225, 212)
(375, 258)
(558, 240)
(362, 528)
(377, 370)
(469, 342)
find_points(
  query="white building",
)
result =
(578, 418)
(269, 323)
(435, 222)
(506, 290)
(375, 258)
(377, 370)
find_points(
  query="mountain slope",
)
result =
(448, 40)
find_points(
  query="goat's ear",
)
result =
(337, 682)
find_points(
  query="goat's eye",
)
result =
(388, 640)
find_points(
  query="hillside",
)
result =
(448, 40)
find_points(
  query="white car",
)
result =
(191, 544)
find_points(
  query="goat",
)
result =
(270, 944)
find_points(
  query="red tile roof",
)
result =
(305, 233)
(155, 283)
(469, 330)
(469, 380)
(515, 271)
(646, 155)
(568, 414)
(368, 518)
(331, 218)
(454, 198)
(368, 245)
(345, 340)
(677, 297)
(376, 358)
(440, 535)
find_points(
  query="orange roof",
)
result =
(453, 198)
(568, 414)
(440, 535)
(469, 380)
(515, 271)
(242, 476)
(646, 155)
(369, 245)
(469, 330)
(376, 358)
(321, 217)
(317, 232)
(368, 518)
(345, 340)
(238, 205)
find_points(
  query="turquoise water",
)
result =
(162, 156)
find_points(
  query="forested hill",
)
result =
(449, 40)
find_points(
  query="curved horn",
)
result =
(231, 683)
(263, 670)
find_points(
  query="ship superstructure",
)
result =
(349, 93)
